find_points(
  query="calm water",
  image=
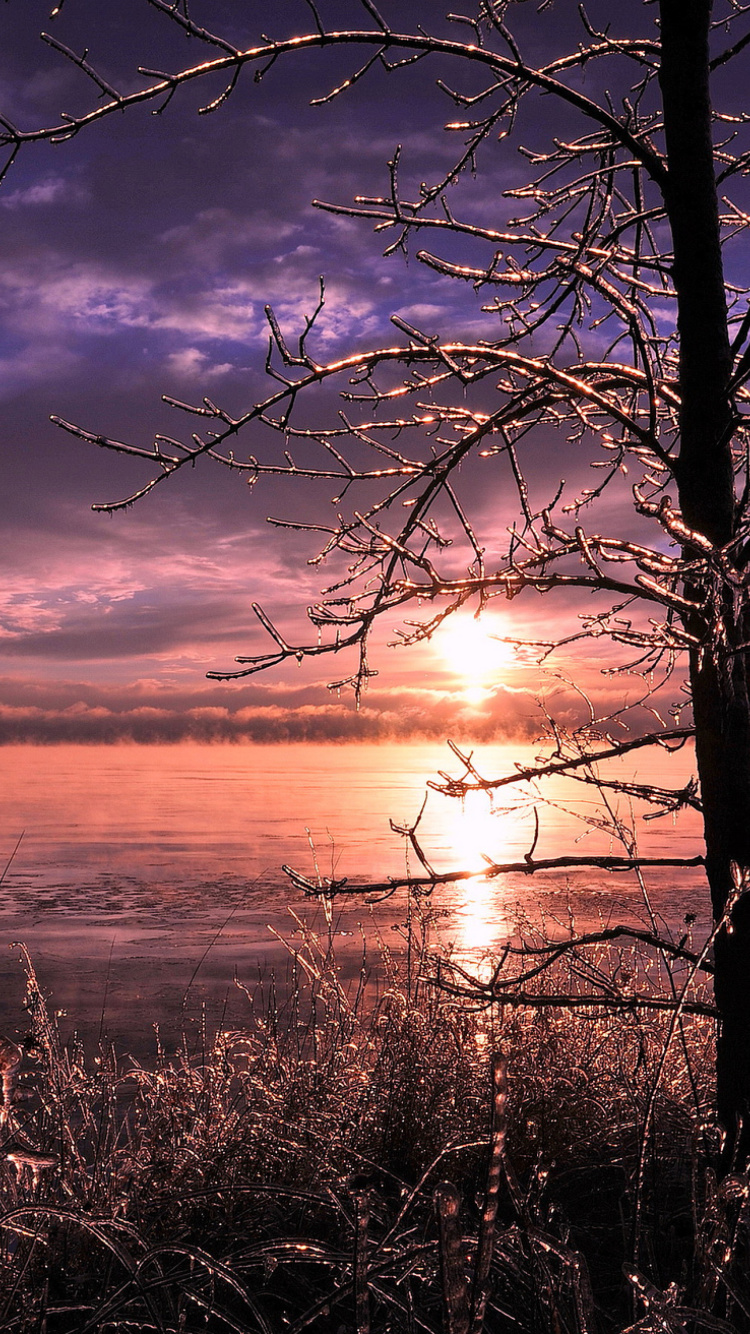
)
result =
(148, 875)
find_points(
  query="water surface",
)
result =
(148, 875)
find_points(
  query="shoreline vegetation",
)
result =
(395, 1154)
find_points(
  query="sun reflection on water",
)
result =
(477, 836)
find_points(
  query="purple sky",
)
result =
(136, 261)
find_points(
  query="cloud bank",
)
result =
(146, 712)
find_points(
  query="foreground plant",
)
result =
(360, 1160)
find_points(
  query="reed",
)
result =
(379, 1156)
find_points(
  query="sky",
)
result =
(137, 260)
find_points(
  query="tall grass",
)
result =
(382, 1156)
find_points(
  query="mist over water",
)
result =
(148, 875)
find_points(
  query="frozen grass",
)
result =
(361, 1158)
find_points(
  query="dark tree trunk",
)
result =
(706, 491)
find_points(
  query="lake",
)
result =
(148, 875)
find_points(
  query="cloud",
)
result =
(80, 712)
(51, 293)
(40, 363)
(168, 584)
(51, 190)
(213, 236)
(422, 313)
(189, 363)
(53, 308)
(156, 710)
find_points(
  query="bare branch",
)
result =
(670, 739)
(425, 884)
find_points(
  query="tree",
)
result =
(610, 328)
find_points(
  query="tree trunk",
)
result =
(719, 668)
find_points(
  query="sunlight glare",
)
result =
(473, 651)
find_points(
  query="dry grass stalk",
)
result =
(214, 1190)
(481, 1277)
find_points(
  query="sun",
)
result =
(472, 650)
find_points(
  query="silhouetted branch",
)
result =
(329, 888)
(565, 1000)
(669, 739)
